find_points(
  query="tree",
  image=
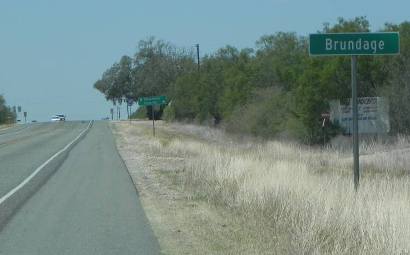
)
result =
(157, 66)
(324, 79)
(279, 60)
(397, 88)
(274, 89)
(6, 115)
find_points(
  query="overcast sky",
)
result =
(51, 51)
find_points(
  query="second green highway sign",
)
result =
(354, 44)
(157, 100)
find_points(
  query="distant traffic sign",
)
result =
(354, 44)
(157, 100)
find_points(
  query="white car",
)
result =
(58, 117)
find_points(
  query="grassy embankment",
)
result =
(208, 193)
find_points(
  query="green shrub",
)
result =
(169, 113)
(140, 113)
(264, 115)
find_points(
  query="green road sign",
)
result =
(157, 100)
(354, 44)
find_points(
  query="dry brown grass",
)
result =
(293, 199)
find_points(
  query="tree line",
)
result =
(274, 89)
(6, 114)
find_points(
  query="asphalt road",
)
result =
(13, 129)
(23, 149)
(89, 206)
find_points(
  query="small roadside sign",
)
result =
(152, 101)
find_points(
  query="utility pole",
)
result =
(197, 54)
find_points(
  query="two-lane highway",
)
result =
(24, 150)
(89, 206)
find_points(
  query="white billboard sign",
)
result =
(373, 115)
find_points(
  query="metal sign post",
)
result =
(354, 44)
(325, 116)
(153, 120)
(356, 171)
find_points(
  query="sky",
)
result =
(52, 51)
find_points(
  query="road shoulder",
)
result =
(182, 224)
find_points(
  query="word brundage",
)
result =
(354, 45)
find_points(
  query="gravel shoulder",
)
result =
(183, 225)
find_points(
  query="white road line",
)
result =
(13, 191)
